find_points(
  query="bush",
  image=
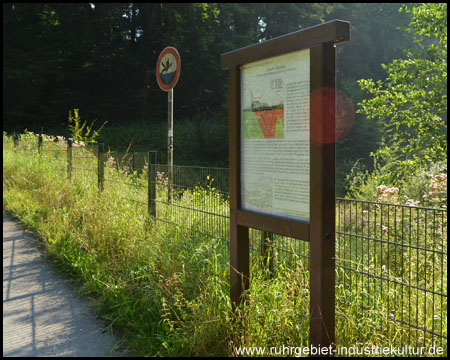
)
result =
(426, 187)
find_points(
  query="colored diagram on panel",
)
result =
(263, 122)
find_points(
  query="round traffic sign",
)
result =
(168, 68)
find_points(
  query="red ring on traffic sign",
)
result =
(171, 79)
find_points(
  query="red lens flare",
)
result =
(324, 102)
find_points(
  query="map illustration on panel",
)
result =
(263, 121)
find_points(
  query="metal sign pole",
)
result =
(168, 69)
(170, 145)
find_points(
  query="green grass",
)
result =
(165, 288)
(252, 129)
(279, 130)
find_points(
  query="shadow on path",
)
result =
(42, 315)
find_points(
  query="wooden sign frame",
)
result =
(320, 229)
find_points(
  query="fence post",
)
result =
(40, 144)
(101, 166)
(15, 140)
(152, 184)
(266, 249)
(69, 158)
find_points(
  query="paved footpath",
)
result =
(42, 314)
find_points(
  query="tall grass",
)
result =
(144, 278)
(165, 288)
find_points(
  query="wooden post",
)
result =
(15, 140)
(101, 166)
(40, 144)
(69, 158)
(267, 252)
(322, 189)
(239, 235)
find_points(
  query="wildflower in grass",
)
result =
(411, 202)
(110, 161)
(434, 186)
(387, 194)
(161, 178)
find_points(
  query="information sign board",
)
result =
(275, 136)
(282, 156)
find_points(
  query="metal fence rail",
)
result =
(400, 254)
(394, 255)
(199, 201)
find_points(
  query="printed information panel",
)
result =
(275, 126)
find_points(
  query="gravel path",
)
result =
(42, 314)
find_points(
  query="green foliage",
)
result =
(101, 57)
(412, 101)
(425, 187)
(79, 132)
(167, 289)
(375, 39)
(428, 187)
(276, 19)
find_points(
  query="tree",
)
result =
(374, 39)
(276, 19)
(101, 57)
(412, 101)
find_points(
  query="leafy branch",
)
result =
(77, 128)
